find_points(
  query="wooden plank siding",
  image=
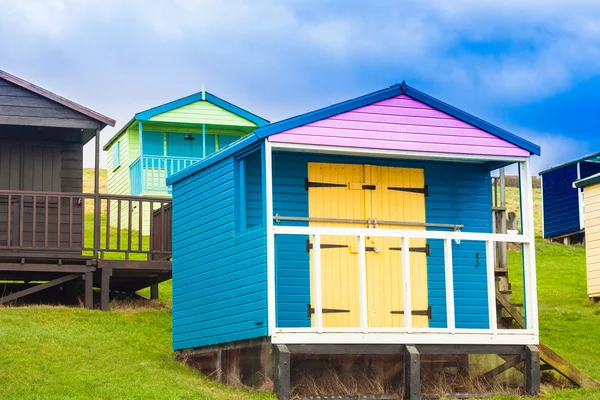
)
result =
(47, 167)
(561, 199)
(219, 275)
(458, 194)
(19, 106)
(133, 137)
(592, 238)
(561, 202)
(202, 112)
(400, 123)
(118, 177)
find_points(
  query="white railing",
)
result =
(489, 335)
(149, 173)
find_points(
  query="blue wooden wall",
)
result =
(153, 143)
(254, 191)
(561, 200)
(458, 194)
(219, 275)
(177, 146)
(589, 169)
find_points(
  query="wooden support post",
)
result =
(88, 295)
(105, 289)
(231, 367)
(462, 361)
(251, 366)
(266, 360)
(97, 207)
(532, 370)
(412, 373)
(154, 292)
(216, 365)
(281, 367)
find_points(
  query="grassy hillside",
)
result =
(568, 320)
(88, 181)
(71, 353)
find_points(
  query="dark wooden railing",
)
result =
(129, 227)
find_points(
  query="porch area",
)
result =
(82, 244)
(148, 174)
(159, 149)
(391, 249)
(390, 301)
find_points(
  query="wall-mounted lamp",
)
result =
(189, 137)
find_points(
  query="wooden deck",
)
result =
(119, 244)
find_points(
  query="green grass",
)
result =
(70, 353)
(124, 240)
(568, 320)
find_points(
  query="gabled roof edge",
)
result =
(57, 99)
(116, 135)
(473, 120)
(383, 94)
(590, 180)
(328, 111)
(568, 163)
(146, 115)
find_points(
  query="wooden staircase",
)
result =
(552, 360)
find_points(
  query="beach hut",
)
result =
(591, 200)
(54, 235)
(167, 138)
(562, 202)
(362, 227)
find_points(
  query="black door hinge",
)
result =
(309, 246)
(308, 184)
(311, 310)
(415, 249)
(424, 190)
(416, 312)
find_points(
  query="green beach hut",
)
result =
(163, 140)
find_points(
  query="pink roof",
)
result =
(400, 123)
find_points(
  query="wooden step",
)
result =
(549, 356)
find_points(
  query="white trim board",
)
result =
(542, 198)
(355, 151)
(403, 338)
(580, 200)
(271, 307)
(399, 233)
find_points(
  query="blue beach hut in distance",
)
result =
(563, 211)
(361, 227)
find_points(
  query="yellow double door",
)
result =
(339, 193)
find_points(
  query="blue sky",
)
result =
(531, 67)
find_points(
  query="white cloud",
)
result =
(545, 45)
(280, 58)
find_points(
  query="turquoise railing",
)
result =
(135, 177)
(149, 173)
